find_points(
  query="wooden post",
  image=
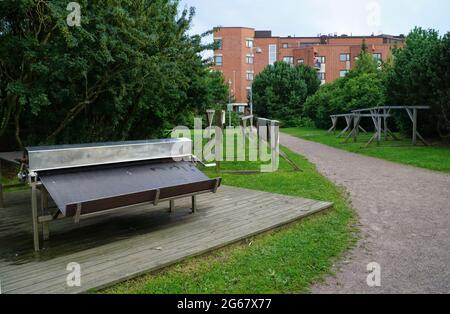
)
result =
(413, 116)
(414, 137)
(218, 139)
(379, 131)
(274, 138)
(349, 120)
(244, 128)
(78, 214)
(356, 127)
(171, 206)
(334, 121)
(34, 213)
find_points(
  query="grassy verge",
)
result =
(287, 260)
(429, 157)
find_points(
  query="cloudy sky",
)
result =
(309, 18)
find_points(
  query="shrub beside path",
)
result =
(404, 216)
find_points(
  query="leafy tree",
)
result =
(363, 87)
(129, 71)
(328, 100)
(420, 76)
(364, 64)
(365, 90)
(281, 90)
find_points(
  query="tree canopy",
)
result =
(420, 76)
(129, 71)
(363, 87)
(280, 91)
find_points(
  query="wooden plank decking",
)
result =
(120, 245)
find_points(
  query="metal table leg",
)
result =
(44, 209)
(2, 205)
(194, 203)
(34, 212)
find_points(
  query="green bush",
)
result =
(363, 87)
(303, 123)
(328, 100)
(420, 76)
(280, 91)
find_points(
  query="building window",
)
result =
(321, 60)
(272, 54)
(301, 61)
(321, 76)
(249, 43)
(285, 45)
(249, 90)
(377, 56)
(241, 109)
(218, 60)
(250, 76)
(249, 59)
(218, 42)
(318, 61)
(343, 73)
(345, 57)
(289, 60)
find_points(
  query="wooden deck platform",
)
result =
(117, 246)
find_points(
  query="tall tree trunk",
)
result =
(17, 125)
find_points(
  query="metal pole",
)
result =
(229, 101)
(194, 203)
(251, 86)
(34, 212)
(1, 187)
(251, 99)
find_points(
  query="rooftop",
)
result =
(268, 34)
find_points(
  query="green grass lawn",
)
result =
(287, 260)
(429, 157)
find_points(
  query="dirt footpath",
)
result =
(404, 214)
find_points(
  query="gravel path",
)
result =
(404, 213)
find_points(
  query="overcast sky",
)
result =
(309, 18)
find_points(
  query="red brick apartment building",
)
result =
(244, 52)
